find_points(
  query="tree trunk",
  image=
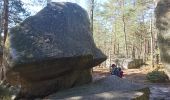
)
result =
(91, 14)
(1, 22)
(124, 30)
(5, 23)
(133, 48)
(148, 45)
(133, 52)
(115, 37)
(144, 52)
(91, 17)
(151, 34)
(5, 28)
(141, 48)
(144, 44)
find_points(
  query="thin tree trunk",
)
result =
(91, 17)
(115, 37)
(91, 14)
(144, 44)
(105, 50)
(114, 49)
(1, 21)
(148, 51)
(124, 30)
(118, 48)
(5, 19)
(5, 28)
(133, 52)
(144, 59)
(133, 48)
(151, 33)
(141, 49)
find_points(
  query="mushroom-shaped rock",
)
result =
(51, 50)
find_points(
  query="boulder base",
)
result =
(45, 87)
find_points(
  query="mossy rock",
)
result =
(157, 76)
(145, 96)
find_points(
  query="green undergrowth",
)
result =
(5, 94)
(157, 76)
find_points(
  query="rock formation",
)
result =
(51, 50)
(162, 13)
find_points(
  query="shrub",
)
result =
(5, 94)
(157, 76)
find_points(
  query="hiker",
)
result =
(116, 71)
(120, 72)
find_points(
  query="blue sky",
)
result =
(34, 8)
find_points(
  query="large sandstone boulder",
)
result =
(134, 63)
(162, 13)
(51, 51)
(129, 63)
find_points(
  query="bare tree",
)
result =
(124, 27)
(91, 14)
(151, 33)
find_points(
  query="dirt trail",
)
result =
(159, 91)
(137, 75)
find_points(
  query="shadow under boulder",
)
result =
(51, 51)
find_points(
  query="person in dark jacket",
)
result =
(116, 71)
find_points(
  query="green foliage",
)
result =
(5, 94)
(16, 12)
(109, 25)
(157, 76)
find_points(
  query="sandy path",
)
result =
(159, 91)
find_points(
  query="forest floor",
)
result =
(159, 91)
